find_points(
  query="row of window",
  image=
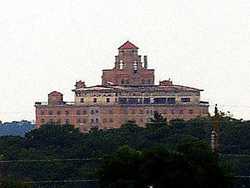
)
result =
(126, 111)
(78, 112)
(160, 100)
(94, 100)
(79, 120)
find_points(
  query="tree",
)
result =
(161, 168)
(157, 121)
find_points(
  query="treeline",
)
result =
(65, 142)
(15, 128)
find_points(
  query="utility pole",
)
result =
(215, 131)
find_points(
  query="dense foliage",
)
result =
(65, 142)
(191, 165)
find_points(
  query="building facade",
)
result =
(128, 92)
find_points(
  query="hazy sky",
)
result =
(47, 45)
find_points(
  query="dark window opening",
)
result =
(185, 99)
(171, 100)
(160, 100)
(146, 101)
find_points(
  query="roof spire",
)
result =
(128, 45)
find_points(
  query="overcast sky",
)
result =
(47, 45)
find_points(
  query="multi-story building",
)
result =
(128, 92)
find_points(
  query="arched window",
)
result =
(135, 66)
(121, 65)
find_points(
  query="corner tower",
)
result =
(129, 69)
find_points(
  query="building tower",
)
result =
(129, 70)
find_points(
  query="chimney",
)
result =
(145, 62)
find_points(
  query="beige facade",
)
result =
(128, 92)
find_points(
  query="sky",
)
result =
(47, 45)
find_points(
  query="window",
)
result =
(127, 81)
(92, 111)
(78, 120)
(97, 120)
(191, 111)
(95, 100)
(186, 99)
(67, 121)
(111, 120)
(141, 112)
(78, 112)
(146, 101)
(110, 111)
(42, 112)
(171, 100)
(132, 100)
(92, 120)
(149, 81)
(50, 112)
(122, 100)
(181, 111)
(82, 100)
(122, 81)
(160, 100)
(42, 121)
(104, 120)
(84, 112)
(135, 66)
(96, 111)
(108, 100)
(84, 121)
(121, 65)
(58, 112)
(67, 112)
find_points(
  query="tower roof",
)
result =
(128, 45)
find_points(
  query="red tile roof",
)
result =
(128, 45)
(55, 93)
